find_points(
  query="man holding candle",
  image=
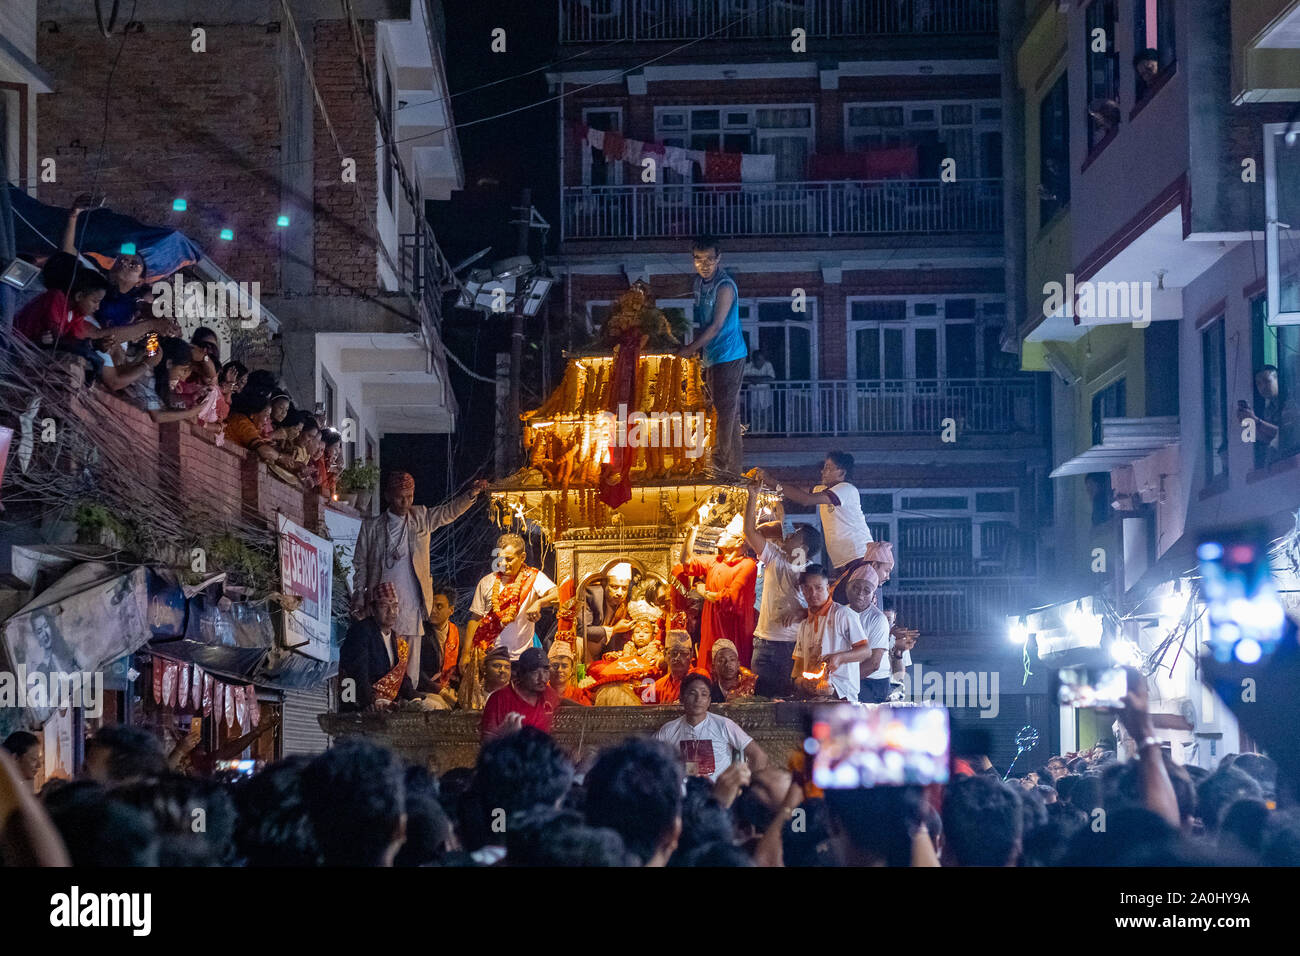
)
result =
(830, 642)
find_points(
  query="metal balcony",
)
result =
(599, 21)
(890, 407)
(943, 606)
(828, 208)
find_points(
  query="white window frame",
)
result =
(809, 132)
(912, 322)
(977, 518)
(617, 176)
(977, 125)
(749, 325)
(1273, 230)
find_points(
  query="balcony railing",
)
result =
(595, 21)
(844, 207)
(890, 407)
(959, 605)
(426, 272)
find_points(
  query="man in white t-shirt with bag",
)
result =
(708, 743)
(839, 506)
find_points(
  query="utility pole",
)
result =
(513, 410)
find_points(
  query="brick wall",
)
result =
(104, 413)
(198, 126)
(210, 477)
(346, 259)
(206, 127)
(220, 484)
(265, 495)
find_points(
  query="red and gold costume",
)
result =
(744, 686)
(731, 616)
(506, 598)
(386, 687)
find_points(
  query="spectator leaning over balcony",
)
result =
(281, 405)
(150, 392)
(203, 370)
(64, 321)
(125, 290)
(248, 413)
(330, 461)
(230, 380)
(306, 449)
(263, 380)
(120, 370)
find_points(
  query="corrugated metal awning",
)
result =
(1123, 441)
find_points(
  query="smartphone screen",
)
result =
(245, 767)
(856, 747)
(1245, 614)
(1082, 687)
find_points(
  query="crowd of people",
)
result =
(104, 325)
(700, 792)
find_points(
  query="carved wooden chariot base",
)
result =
(442, 740)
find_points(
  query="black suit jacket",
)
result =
(593, 614)
(364, 659)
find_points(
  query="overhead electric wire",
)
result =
(614, 75)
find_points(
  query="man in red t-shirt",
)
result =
(528, 700)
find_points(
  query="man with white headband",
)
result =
(862, 587)
(605, 625)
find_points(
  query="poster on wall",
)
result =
(307, 572)
(62, 641)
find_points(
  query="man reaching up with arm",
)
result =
(839, 506)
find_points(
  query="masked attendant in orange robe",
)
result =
(729, 581)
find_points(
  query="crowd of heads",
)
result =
(528, 802)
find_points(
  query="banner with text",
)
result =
(307, 571)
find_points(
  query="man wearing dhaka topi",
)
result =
(507, 603)
(393, 548)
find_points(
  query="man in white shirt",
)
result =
(393, 548)
(862, 587)
(508, 601)
(839, 506)
(709, 743)
(830, 642)
(781, 607)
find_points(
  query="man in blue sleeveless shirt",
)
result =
(717, 313)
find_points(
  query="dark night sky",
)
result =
(500, 157)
